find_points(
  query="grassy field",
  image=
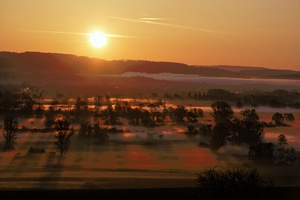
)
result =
(131, 164)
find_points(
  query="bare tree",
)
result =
(63, 136)
(10, 127)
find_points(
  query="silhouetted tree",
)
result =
(50, 115)
(247, 130)
(10, 127)
(63, 136)
(9, 102)
(97, 100)
(146, 118)
(179, 113)
(280, 154)
(109, 115)
(26, 103)
(107, 98)
(200, 112)
(192, 116)
(192, 131)
(81, 109)
(134, 115)
(206, 130)
(287, 155)
(292, 155)
(37, 93)
(282, 139)
(39, 112)
(157, 118)
(289, 116)
(222, 112)
(220, 134)
(85, 130)
(278, 118)
(100, 134)
(250, 115)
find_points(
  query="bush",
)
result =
(236, 183)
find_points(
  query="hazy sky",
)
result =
(262, 33)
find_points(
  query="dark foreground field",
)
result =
(132, 188)
(148, 193)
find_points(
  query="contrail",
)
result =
(57, 32)
(154, 18)
(155, 22)
(120, 36)
(76, 33)
(126, 19)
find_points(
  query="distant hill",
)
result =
(66, 70)
(37, 62)
(53, 62)
(235, 68)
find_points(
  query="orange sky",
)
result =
(262, 33)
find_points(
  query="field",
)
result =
(132, 159)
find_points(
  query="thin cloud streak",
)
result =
(75, 33)
(120, 36)
(55, 32)
(155, 22)
(126, 19)
(154, 18)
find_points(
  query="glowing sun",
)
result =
(98, 39)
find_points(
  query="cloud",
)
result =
(120, 36)
(75, 33)
(157, 21)
(154, 18)
(55, 32)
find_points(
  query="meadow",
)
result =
(135, 156)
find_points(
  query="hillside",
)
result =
(74, 74)
(37, 62)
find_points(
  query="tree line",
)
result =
(279, 98)
(247, 131)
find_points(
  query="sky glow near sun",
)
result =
(232, 32)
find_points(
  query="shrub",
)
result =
(238, 183)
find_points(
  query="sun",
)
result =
(98, 39)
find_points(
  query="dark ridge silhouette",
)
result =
(79, 74)
(30, 62)
(54, 63)
(235, 68)
(269, 73)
